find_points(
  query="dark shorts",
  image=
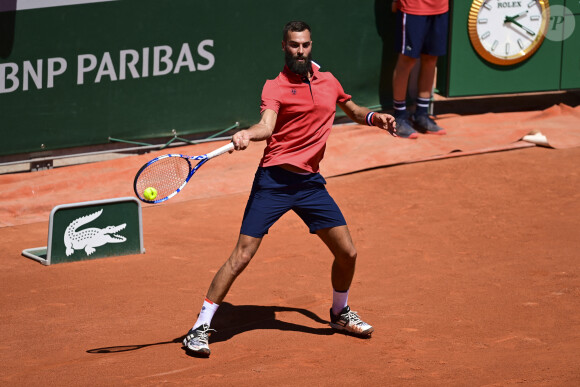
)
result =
(276, 191)
(416, 35)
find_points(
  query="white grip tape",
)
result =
(221, 151)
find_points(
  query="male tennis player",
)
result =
(298, 109)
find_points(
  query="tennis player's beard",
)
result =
(300, 68)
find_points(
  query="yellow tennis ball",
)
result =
(150, 193)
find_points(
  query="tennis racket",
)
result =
(168, 174)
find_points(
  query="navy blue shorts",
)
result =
(416, 35)
(276, 191)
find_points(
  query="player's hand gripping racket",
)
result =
(168, 174)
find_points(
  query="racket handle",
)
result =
(221, 151)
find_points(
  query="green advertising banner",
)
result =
(76, 73)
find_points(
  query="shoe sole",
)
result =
(201, 353)
(363, 335)
(438, 133)
(413, 136)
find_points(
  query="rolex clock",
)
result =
(506, 32)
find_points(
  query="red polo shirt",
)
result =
(424, 7)
(305, 116)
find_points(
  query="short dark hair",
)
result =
(295, 26)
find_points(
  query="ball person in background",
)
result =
(420, 32)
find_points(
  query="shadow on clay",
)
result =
(231, 320)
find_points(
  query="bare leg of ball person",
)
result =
(425, 85)
(401, 76)
(196, 341)
(339, 241)
(426, 76)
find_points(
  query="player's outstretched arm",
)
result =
(257, 132)
(360, 115)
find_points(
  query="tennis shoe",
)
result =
(349, 322)
(196, 342)
(425, 124)
(405, 129)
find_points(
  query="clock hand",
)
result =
(518, 15)
(530, 32)
(509, 19)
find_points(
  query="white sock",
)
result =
(339, 301)
(207, 311)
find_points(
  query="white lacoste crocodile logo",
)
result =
(90, 238)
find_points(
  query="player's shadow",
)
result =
(231, 320)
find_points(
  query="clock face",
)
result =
(506, 32)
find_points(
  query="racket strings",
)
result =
(166, 176)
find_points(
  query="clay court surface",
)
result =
(468, 269)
